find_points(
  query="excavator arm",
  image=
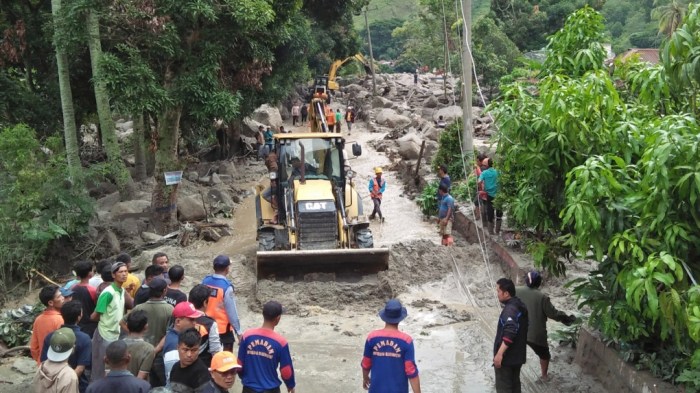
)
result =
(332, 84)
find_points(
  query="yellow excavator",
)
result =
(319, 224)
(332, 84)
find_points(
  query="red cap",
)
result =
(186, 310)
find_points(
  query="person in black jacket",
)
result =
(509, 348)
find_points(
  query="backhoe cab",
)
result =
(321, 225)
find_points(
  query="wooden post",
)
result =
(420, 158)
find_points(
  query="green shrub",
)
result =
(428, 199)
(449, 152)
(38, 202)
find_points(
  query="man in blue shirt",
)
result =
(489, 179)
(444, 180)
(262, 351)
(446, 211)
(388, 363)
(81, 358)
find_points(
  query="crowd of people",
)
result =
(139, 337)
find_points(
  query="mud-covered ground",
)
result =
(449, 293)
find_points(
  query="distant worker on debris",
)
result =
(296, 111)
(330, 119)
(304, 114)
(509, 347)
(539, 308)
(377, 186)
(349, 118)
(388, 363)
(338, 120)
(440, 123)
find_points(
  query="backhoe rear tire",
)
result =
(266, 241)
(364, 238)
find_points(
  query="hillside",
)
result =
(403, 9)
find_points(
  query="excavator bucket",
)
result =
(349, 261)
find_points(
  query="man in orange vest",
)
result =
(377, 185)
(222, 302)
(330, 119)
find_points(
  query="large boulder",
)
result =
(391, 119)
(284, 112)
(220, 200)
(431, 148)
(430, 102)
(267, 115)
(409, 146)
(129, 207)
(449, 114)
(249, 127)
(431, 133)
(227, 168)
(381, 102)
(190, 208)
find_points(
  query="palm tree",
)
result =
(670, 15)
(69, 127)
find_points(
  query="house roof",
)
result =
(649, 55)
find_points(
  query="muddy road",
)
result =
(449, 293)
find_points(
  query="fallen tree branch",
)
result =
(42, 275)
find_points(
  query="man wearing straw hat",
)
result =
(388, 363)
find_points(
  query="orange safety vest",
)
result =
(215, 307)
(330, 116)
(376, 187)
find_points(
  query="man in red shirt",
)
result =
(47, 321)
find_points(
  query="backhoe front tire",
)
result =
(364, 238)
(266, 241)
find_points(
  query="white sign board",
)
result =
(172, 178)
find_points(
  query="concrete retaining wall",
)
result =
(591, 354)
(615, 374)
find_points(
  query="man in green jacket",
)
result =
(539, 308)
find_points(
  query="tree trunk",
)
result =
(109, 137)
(164, 198)
(139, 148)
(69, 127)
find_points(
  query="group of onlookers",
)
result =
(137, 337)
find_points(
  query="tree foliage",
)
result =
(592, 169)
(37, 203)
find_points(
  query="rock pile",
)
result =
(407, 113)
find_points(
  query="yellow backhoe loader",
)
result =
(319, 224)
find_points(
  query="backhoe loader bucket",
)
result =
(350, 261)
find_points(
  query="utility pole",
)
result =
(467, 141)
(371, 56)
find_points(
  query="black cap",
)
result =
(158, 284)
(272, 310)
(221, 261)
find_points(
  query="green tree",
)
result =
(592, 170)
(495, 55)
(69, 128)
(670, 15)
